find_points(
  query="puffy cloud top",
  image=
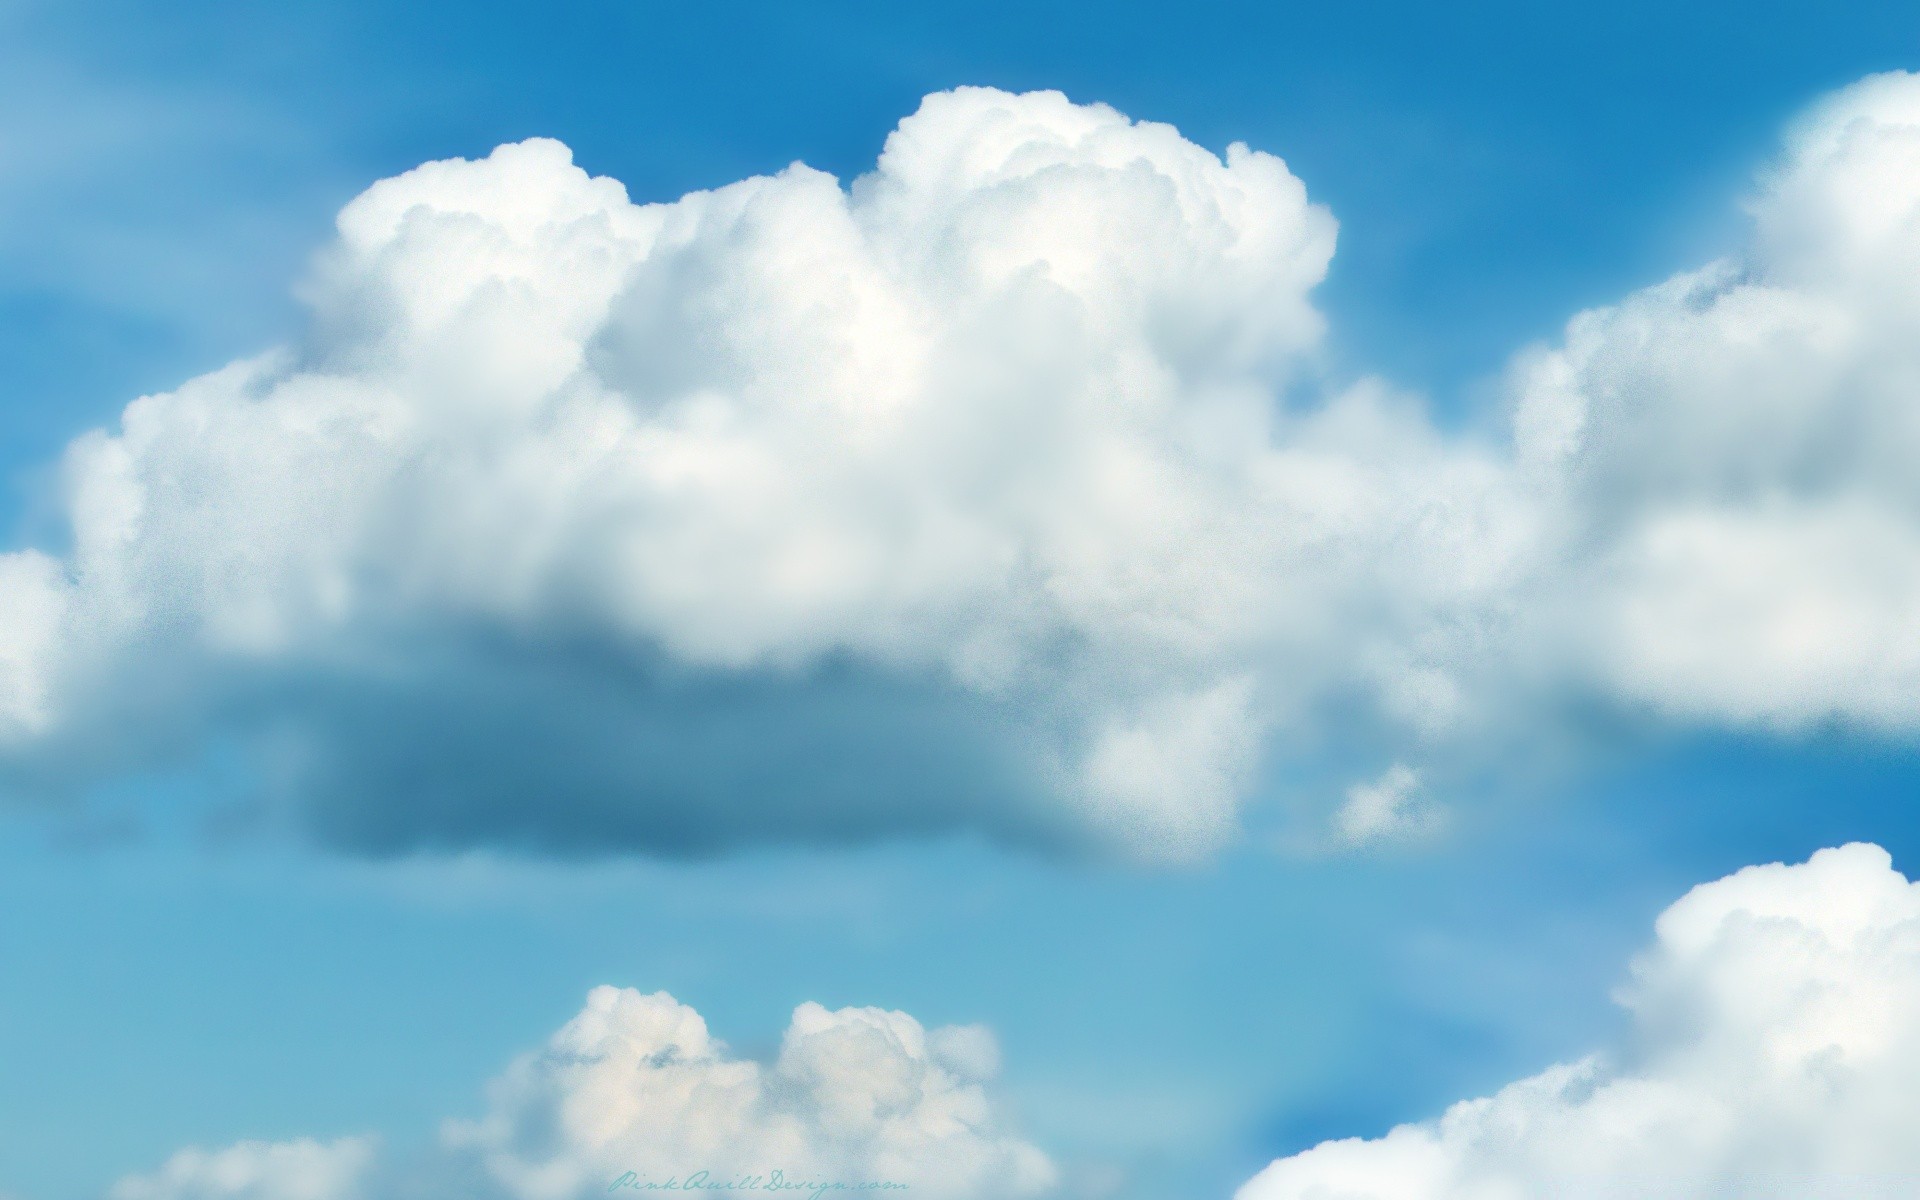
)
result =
(635, 1084)
(1776, 1035)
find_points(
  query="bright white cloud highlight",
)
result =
(1776, 1038)
(635, 1083)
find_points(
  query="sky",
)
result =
(1262, 663)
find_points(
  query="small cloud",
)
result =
(303, 1169)
(1390, 808)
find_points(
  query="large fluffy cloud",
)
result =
(635, 1088)
(783, 510)
(1000, 490)
(1776, 1038)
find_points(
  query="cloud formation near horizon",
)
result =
(1000, 491)
(635, 1083)
(1775, 1039)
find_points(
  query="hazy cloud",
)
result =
(296, 1170)
(1390, 808)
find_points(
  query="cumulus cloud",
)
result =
(636, 1084)
(1775, 1039)
(1000, 490)
(1727, 452)
(554, 523)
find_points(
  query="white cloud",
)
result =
(295, 1170)
(998, 422)
(1729, 452)
(635, 1083)
(1775, 1040)
(30, 612)
(1388, 809)
(963, 498)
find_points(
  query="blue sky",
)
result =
(170, 979)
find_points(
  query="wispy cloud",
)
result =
(1390, 808)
